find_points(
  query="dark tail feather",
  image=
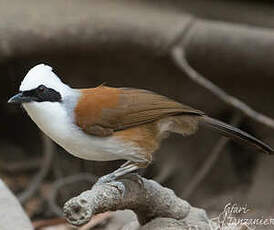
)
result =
(235, 134)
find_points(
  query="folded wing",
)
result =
(117, 109)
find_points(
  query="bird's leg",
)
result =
(126, 168)
(125, 164)
(120, 172)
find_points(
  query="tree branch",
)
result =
(147, 198)
(179, 57)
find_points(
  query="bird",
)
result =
(106, 123)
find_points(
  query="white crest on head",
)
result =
(43, 75)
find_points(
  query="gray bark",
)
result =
(148, 199)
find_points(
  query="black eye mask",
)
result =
(41, 94)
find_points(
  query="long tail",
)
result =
(235, 133)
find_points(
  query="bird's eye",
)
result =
(41, 88)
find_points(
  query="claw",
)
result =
(120, 186)
(110, 180)
(134, 177)
(105, 179)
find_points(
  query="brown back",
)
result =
(122, 108)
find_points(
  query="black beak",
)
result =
(19, 99)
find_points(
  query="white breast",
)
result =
(54, 121)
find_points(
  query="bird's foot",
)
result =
(110, 179)
(135, 177)
(132, 177)
(120, 186)
(122, 172)
(106, 179)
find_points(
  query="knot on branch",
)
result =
(77, 211)
(147, 198)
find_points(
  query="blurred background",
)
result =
(129, 44)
